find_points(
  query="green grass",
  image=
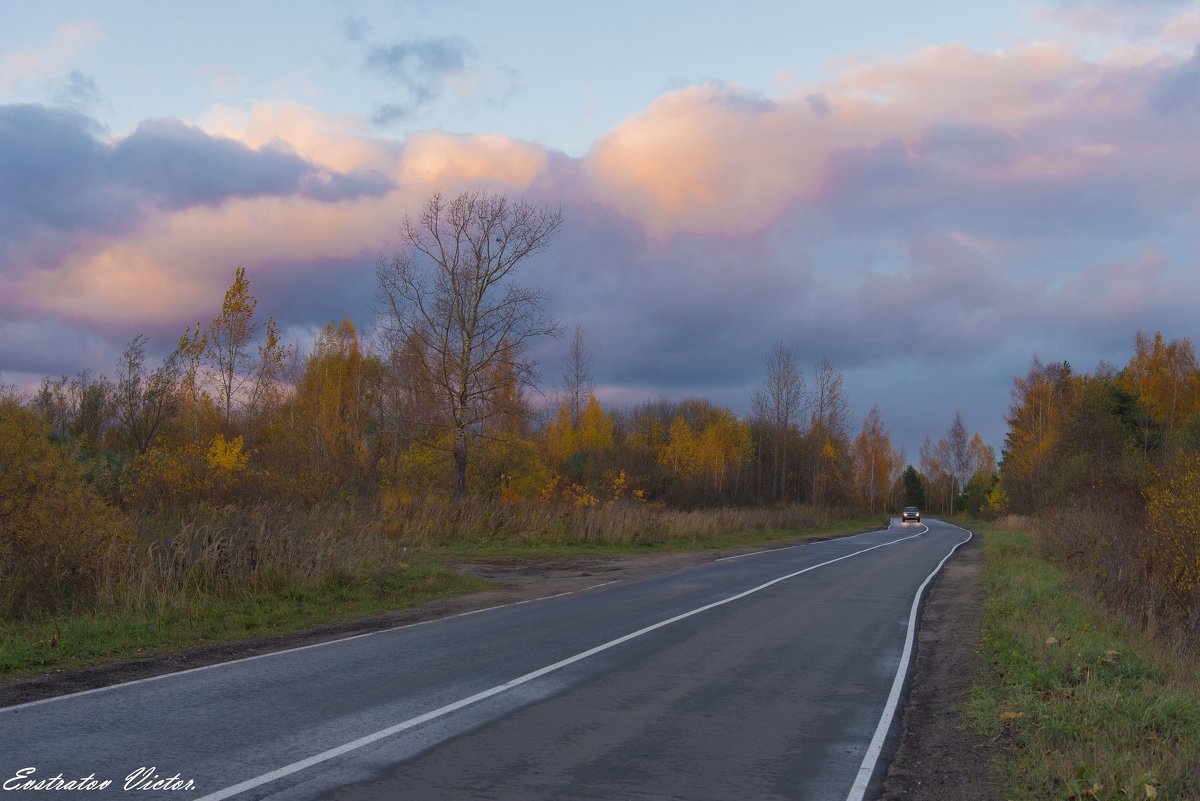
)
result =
(1089, 708)
(71, 641)
(63, 642)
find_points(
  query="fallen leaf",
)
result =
(1151, 791)
(1011, 715)
(1051, 640)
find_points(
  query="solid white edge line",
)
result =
(185, 671)
(354, 745)
(867, 769)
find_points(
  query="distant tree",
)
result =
(78, 408)
(228, 343)
(914, 487)
(828, 432)
(144, 403)
(959, 450)
(1164, 374)
(872, 450)
(449, 300)
(193, 344)
(273, 357)
(577, 376)
(778, 405)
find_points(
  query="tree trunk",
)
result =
(460, 463)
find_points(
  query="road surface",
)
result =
(772, 675)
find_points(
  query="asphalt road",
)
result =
(767, 676)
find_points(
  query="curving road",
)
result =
(767, 676)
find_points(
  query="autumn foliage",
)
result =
(60, 536)
(1110, 463)
(240, 464)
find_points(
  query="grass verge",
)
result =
(1089, 708)
(181, 620)
(71, 641)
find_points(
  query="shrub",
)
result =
(58, 538)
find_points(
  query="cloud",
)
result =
(179, 166)
(419, 68)
(1177, 90)
(355, 28)
(948, 211)
(79, 91)
(54, 173)
(340, 144)
(20, 69)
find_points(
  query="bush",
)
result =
(58, 538)
(1173, 507)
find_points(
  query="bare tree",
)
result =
(144, 403)
(830, 420)
(79, 407)
(577, 376)
(449, 298)
(778, 405)
(959, 467)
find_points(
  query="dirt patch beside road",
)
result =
(938, 757)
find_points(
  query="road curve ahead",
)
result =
(767, 676)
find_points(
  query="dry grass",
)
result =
(246, 549)
(436, 521)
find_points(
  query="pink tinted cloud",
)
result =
(177, 262)
(713, 158)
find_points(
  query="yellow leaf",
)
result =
(1011, 715)
(1151, 791)
(1051, 640)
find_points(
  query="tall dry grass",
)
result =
(436, 521)
(226, 550)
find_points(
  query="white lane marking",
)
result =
(756, 553)
(185, 671)
(867, 769)
(806, 544)
(441, 711)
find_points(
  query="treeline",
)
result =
(240, 462)
(231, 416)
(1109, 461)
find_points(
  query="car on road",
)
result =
(910, 513)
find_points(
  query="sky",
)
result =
(929, 194)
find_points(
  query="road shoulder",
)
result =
(938, 756)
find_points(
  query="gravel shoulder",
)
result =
(938, 756)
